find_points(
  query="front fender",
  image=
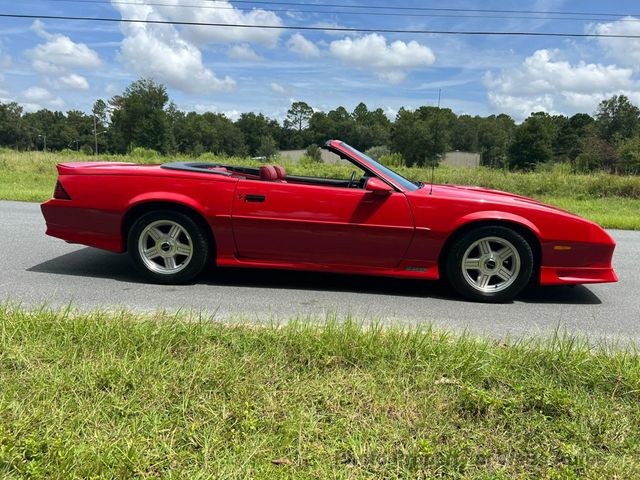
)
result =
(492, 215)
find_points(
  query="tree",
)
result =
(268, 147)
(532, 143)
(495, 135)
(617, 118)
(11, 128)
(596, 154)
(422, 137)
(254, 127)
(139, 118)
(298, 116)
(629, 152)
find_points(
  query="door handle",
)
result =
(254, 198)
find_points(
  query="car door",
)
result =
(301, 223)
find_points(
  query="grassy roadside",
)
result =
(613, 201)
(116, 395)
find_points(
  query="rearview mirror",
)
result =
(378, 187)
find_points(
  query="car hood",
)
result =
(488, 195)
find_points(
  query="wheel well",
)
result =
(136, 212)
(526, 233)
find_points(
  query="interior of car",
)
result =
(273, 173)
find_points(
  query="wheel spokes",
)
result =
(182, 249)
(165, 247)
(490, 264)
(485, 247)
(472, 264)
(504, 274)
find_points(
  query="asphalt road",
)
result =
(37, 270)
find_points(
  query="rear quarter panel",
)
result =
(99, 203)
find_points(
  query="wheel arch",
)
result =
(525, 228)
(137, 210)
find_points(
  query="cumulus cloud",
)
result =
(59, 52)
(545, 83)
(244, 52)
(33, 99)
(391, 61)
(223, 13)
(624, 50)
(277, 88)
(36, 94)
(73, 82)
(303, 47)
(160, 52)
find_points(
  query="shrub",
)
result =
(314, 153)
(144, 153)
(378, 152)
(268, 147)
(86, 149)
(392, 160)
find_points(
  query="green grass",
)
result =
(611, 200)
(119, 396)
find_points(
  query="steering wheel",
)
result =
(352, 179)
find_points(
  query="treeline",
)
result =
(144, 116)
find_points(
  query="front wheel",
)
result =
(490, 264)
(168, 247)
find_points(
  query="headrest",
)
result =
(282, 173)
(268, 173)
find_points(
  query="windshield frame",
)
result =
(398, 180)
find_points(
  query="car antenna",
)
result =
(433, 164)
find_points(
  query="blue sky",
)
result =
(66, 65)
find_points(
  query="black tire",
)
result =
(189, 233)
(498, 288)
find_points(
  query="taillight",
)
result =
(60, 193)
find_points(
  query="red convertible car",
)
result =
(177, 218)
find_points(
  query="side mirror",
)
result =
(378, 187)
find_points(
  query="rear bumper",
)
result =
(82, 225)
(576, 276)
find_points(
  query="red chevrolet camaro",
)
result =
(177, 218)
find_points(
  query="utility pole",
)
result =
(95, 135)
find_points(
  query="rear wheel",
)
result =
(490, 264)
(168, 247)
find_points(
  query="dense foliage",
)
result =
(144, 116)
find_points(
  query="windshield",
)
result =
(396, 177)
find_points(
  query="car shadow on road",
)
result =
(93, 263)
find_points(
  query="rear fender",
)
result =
(168, 197)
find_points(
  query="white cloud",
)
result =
(303, 47)
(624, 50)
(204, 108)
(60, 52)
(73, 82)
(223, 13)
(544, 83)
(277, 88)
(391, 61)
(36, 94)
(159, 52)
(36, 97)
(330, 26)
(244, 52)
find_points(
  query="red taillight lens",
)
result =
(60, 193)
